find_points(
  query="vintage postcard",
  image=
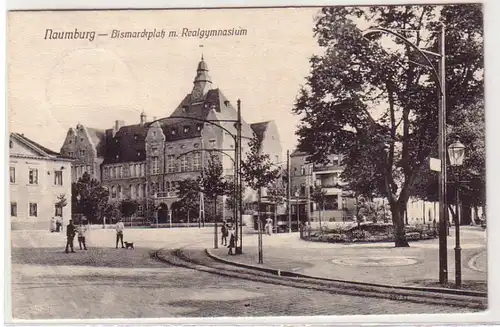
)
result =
(247, 162)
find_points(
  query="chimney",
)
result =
(143, 118)
(118, 124)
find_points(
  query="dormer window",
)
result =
(173, 132)
(154, 133)
(138, 153)
(70, 141)
(186, 129)
(117, 156)
(183, 146)
(81, 139)
(198, 127)
(11, 144)
(136, 137)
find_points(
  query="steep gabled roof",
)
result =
(36, 146)
(97, 136)
(128, 145)
(260, 129)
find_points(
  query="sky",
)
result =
(55, 84)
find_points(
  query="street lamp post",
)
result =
(456, 153)
(441, 78)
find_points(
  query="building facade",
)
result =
(40, 184)
(85, 145)
(145, 162)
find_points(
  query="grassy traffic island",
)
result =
(368, 233)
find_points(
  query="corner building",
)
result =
(145, 162)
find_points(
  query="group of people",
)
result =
(71, 232)
(228, 230)
(56, 225)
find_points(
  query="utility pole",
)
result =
(239, 249)
(308, 195)
(288, 191)
(443, 221)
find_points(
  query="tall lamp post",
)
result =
(456, 153)
(441, 78)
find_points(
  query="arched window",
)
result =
(119, 191)
(167, 188)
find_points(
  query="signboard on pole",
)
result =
(435, 164)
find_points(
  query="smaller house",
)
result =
(40, 184)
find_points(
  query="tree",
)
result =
(318, 196)
(276, 193)
(258, 171)
(189, 194)
(89, 197)
(378, 107)
(128, 208)
(112, 210)
(214, 185)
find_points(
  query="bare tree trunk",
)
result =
(216, 242)
(397, 210)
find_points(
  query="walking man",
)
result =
(70, 234)
(224, 233)
(119, 232)
(82, 233)
(232, 240)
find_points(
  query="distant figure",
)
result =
(232, 241)
(224, 231)
(52, 225)
(119, 232)
(70, 235)
(82, 236)
(58, 225)
(269, 226)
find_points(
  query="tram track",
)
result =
(196, 259)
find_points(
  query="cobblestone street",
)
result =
(105, 282)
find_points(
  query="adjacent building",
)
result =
(146, 161)
(40, 184)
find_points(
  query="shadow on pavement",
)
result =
(94, 257)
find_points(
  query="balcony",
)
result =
(165, 195)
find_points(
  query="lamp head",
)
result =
(456, 153)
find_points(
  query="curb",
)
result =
(284, 273)
(179, 258)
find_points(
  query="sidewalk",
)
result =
(379, 263)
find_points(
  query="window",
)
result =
(113, 172)
(136, 137)
(155, 166)
(81, 139)
(113, 192)
(197, 161)
(13, 209)
(184, 163)
(170, 163)
(212, 143)
(58, 210)
(140, 210)
(173, 132)
(198, 127)
(154, 133)
(119, 192)
(132, 191)
(106, 172)
(11, 144)
(331, 202)
(138, 191)
(167, 188)
(70, 141)
(33, 210)
(12, 171)
(33, 176)
(82, 152)
(71, 154)
(58, 177)
(186, 129)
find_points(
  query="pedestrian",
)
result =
(70, 235)
(58, 225)
(269, 226)
(232, 241)
(119, 232)
(82, 236)
(224, 232)
(52, 225)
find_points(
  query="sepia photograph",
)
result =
(246, 162)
